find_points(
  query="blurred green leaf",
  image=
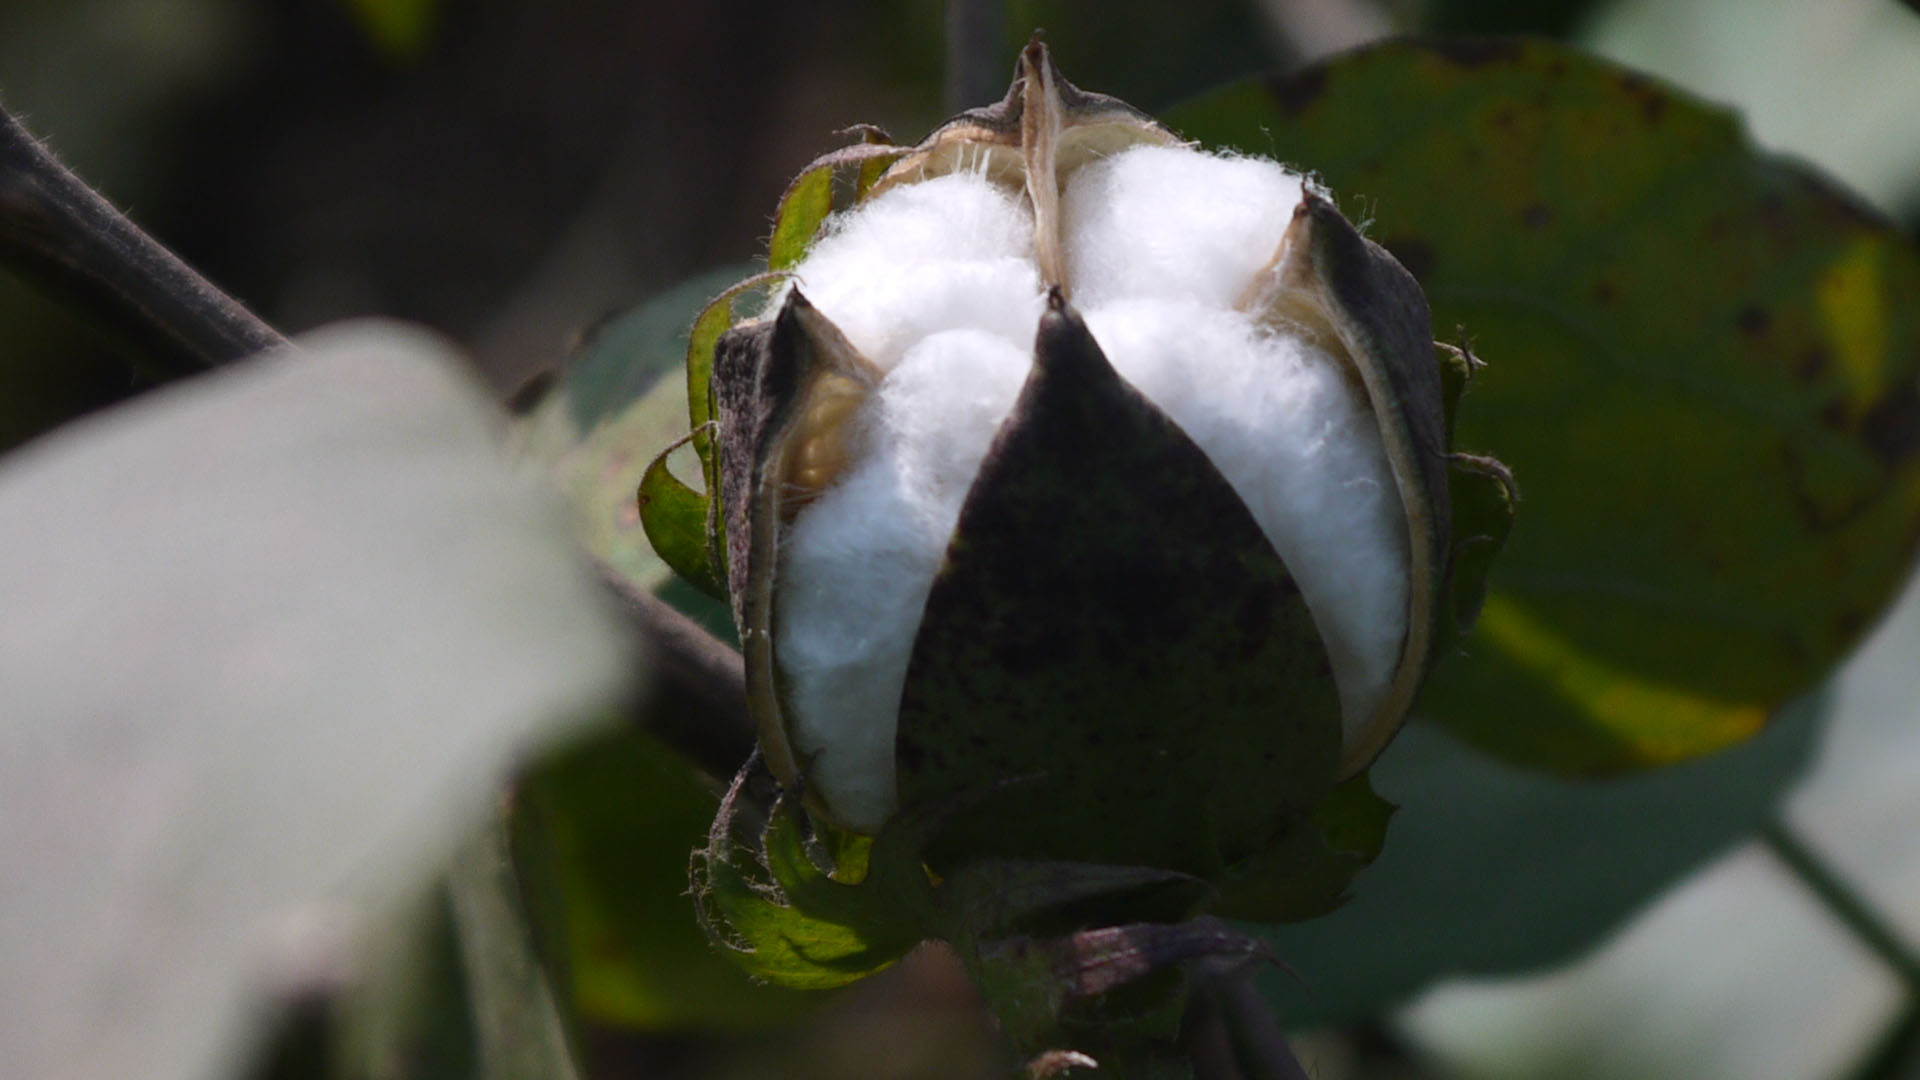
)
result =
(1493, 869)
(271, 638)
(627, 355)
(1700, 365)
(619, 401)
(608, 826)
(399, 28)
(1834, 83)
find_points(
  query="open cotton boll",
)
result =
(859, 560)
(1298, 442)
(949, 253)
(1173, 222)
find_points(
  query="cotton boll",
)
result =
(860, 559)
(1173, 222)
(1299, 444)
(949, 253)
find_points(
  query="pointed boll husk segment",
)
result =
(1112, 624)
(1369, 311)
(784, 393)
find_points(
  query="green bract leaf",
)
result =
(1701, 366)
(270, 639)
(676, 518)
(809, 199)
(784, 919)
(805, 205)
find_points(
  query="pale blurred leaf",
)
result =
(1837, 82)
(269, 639)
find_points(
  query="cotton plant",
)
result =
(1083, 504)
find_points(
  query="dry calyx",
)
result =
(1090, 479)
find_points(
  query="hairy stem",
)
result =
(62, 234)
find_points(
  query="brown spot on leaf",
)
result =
(1848, 624)
(1604, 293)
(1414, 253)
(1891, 428)
(1836, 414)
(1651, 100)
(1505, 118)
(1293, 93)
(1814, 515)
(1811, 363)
(1536, 216)
(1753, 320)
(1477, 52)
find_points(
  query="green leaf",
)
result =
(785, 920)
(618, 402)
(805, 205)
(626, 356)
(809, 199)
(601, 476)
(1700, 366)
(607, 828)
(1493, 869)
(675, 519)
(272, 638)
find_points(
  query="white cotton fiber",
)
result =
(860, 560)
(1299, 444)
(936, 283)
(947, 253)
(1170, 222)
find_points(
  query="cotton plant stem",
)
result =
(62, 234)
(1233, 1033)
(1892, 1054)
(1844, 902)
(696, 700)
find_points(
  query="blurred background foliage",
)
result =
(514, 173)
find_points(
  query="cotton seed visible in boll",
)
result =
(937, 285)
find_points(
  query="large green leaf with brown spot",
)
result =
(1700, 365)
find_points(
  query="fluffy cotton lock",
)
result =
(937, 285)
